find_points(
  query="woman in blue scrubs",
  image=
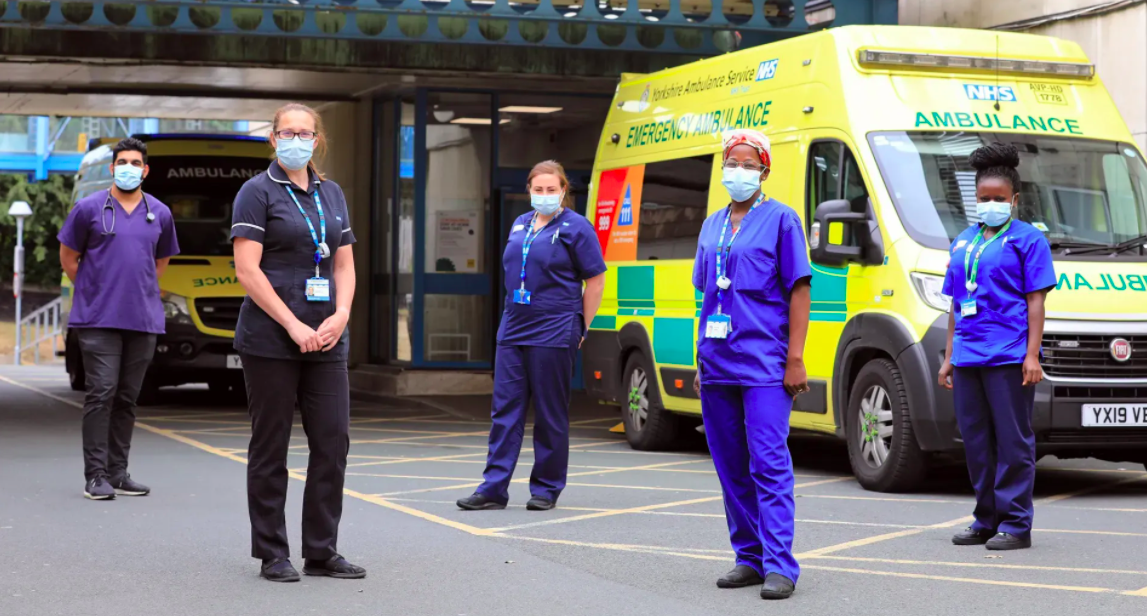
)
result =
(998, 277)
(550, 254)
(753, 270)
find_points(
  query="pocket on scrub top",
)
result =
(756, 274)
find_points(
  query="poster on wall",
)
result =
(618, 212)
(456, 245)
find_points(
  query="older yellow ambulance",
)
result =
(871, 128)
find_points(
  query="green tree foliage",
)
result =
(50, 201)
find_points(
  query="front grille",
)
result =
(1099, 436)
(1089, 356)
(1088, 394)
(219, 312)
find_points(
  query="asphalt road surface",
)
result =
(634, 533)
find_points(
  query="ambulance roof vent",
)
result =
(976, 63)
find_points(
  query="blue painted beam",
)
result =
(591, 26)
(38, 167)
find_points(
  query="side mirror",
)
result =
(833, 223)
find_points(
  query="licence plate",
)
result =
(234, 362)
(1114, 415)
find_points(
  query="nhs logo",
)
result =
(625, 216)
(767, 70)
(1003, 94)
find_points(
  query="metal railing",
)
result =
(43, 324)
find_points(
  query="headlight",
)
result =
(930, 289)
(175, 308)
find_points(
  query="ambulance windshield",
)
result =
(1088, 197)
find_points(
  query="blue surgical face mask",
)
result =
(994, 213)
(128, 177)
(294, 154)
(546, 205)
(742, 184)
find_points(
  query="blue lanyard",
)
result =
(319, 243)
(729, 249)
(529, 241)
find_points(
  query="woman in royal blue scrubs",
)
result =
(752, 268)
(550, 254)
(998, 277)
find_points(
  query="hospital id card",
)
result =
(318, 290)
(967, 307)
(718, 326)
(522, 296)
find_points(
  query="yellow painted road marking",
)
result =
(593, 421)
(1090, 532)
(888, 499)
(644, 508)
(946, 578)
(1090, 489)
(370, 498)
(879, 538)
(897, 561)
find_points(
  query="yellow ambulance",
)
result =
(871, 128)
(197, 176)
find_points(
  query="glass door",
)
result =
(452, 282)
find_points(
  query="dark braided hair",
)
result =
(997, 160)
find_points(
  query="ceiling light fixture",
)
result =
(529, 109)
(476, 121)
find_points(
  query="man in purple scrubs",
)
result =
(114, 246)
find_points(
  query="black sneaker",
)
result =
(538, 503)
(476, 502)
(279, 570)
(98, 488)
(335, 567)
(125, 486)
(1007, 541)
(972, 536)
(740, 577)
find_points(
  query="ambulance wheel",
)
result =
(882, 448)
(648, 426)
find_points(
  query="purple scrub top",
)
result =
(116, 286)
(1015, 264)
(767, 260)
(555, 269)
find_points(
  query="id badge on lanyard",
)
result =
(317, 289)
(972, 269)
(521, 295)
(719, 326)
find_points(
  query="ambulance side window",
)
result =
(674, 203)
(833, 173)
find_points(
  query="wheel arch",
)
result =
(873, 336)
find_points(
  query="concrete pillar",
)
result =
(347, 127)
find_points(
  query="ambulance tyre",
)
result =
(882, 448)
(648, 426)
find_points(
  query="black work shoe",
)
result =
(740, 577)
(1008, 541)
(477, 502)
(98, 488)
(125, 486)
(972, 536)
(777, 586)
(335, 566)
(279, 570)
(538, 503)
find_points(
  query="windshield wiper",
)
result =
(1078, 247)
(1131, 243)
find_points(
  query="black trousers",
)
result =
(322, 392)
(115, 362)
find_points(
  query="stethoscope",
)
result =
(108, 206)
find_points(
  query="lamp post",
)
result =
(19, 210)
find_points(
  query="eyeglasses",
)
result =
(747, 165)
(306, 135)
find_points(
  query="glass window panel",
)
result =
(456, 328)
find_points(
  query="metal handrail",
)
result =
(42, 324)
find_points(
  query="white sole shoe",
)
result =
(97, 497)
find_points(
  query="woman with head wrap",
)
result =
(753, 270)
